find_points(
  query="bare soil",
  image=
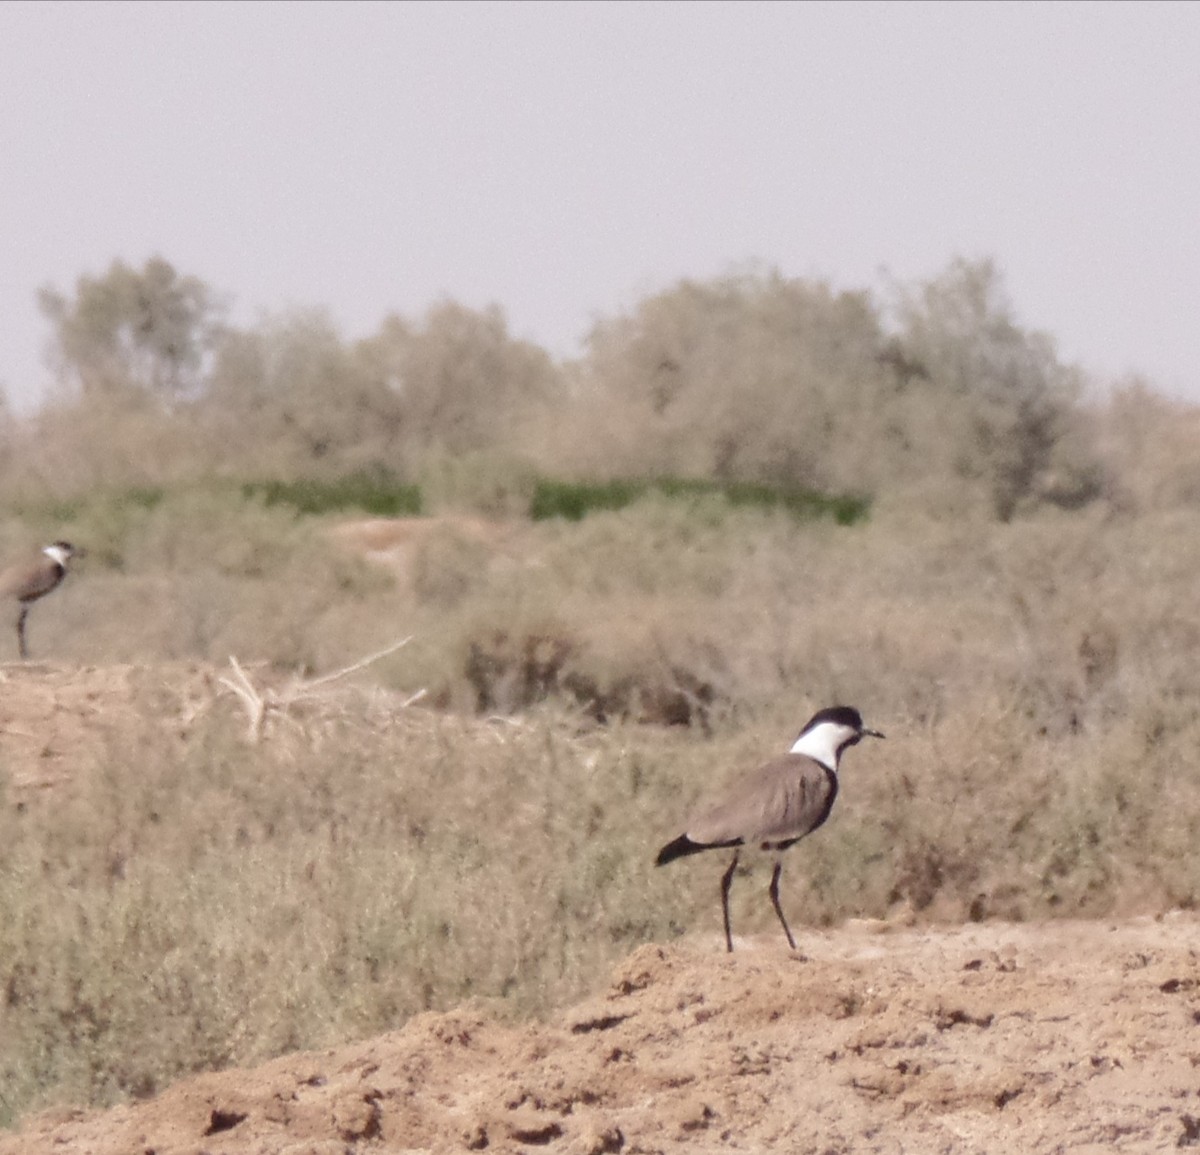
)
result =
(55, 720)
(880, 1037)
(1064, 1036)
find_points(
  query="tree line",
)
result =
(749, 378)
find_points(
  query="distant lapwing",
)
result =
(777, 804)
(22, 584)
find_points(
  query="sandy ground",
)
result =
(1068, 1036)
(992, 1037)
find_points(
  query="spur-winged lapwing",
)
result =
(777, 804)
(22, 584)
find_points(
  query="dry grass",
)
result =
(176, 896)
(189, 899)
(196, 901)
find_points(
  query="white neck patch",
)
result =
(823, 743)
(58, 554)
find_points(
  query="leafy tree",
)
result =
(751, 377)
(292, 394)
(461, 381)
(148, 329)
(1009, 404)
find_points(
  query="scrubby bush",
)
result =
(747, 378)
(574, 500)
(372, 491)
(149, 330)
(178, 896)
(181, 898)
(462, 383)
(290, 397)
(760, 378)
(191, 904)
(1148, 445)
(750, 379)
(1004, 407)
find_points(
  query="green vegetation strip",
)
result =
(380, 494)
(574, 500)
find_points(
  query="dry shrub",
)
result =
(496, 484)
(448, 564)
(203, 574)
(194, 901)
(1148, 443)
(509, 674)
(115, 440)
(461, 382)
(753, 376)
(289, 398)
(759, 377)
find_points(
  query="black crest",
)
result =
(838, 715)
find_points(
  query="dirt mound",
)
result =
(1067, 1036)
(398, 542)
(55, 721)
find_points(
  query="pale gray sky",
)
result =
(565, 159)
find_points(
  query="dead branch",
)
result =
(362, 663)
(255, 703)
(261, 703)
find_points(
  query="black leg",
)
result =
(778, 908)
(21, 633)
(726, 879)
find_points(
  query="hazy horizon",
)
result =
(563, 161)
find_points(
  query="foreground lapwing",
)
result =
(22, 584)
(775, 805)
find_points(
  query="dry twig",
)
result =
(259, 704)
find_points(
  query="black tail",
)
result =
(683, 846)
(680, 848)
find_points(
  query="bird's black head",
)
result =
(838, 715)
(834, 729)
(846, 716)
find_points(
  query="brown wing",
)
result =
(30, 580)
(782, 800)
